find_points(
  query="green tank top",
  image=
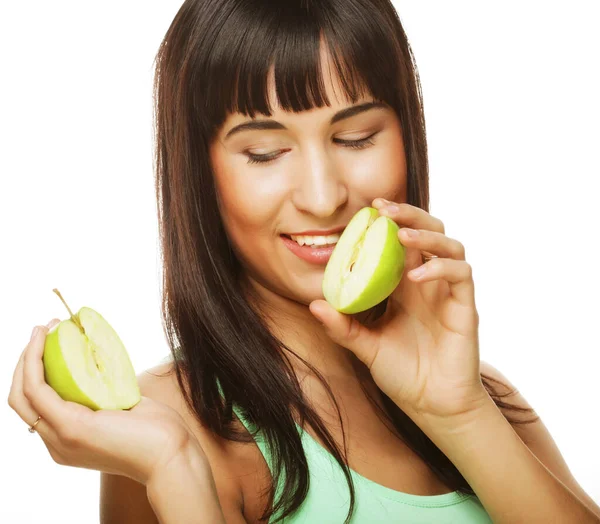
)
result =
(328, 499)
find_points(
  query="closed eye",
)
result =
(354, 144)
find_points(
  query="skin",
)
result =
(314, 183)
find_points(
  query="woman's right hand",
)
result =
(134, 443)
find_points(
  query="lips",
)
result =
(318, 255)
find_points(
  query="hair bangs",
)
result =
(280, 45)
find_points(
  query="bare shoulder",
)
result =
(122, 500)
(535, 435)
(238, 469)
(160, 383)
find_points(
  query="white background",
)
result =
(511, 100)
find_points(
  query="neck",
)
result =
(295, 326)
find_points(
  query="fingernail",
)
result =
(391, 209)
(34, 332)
(410, 232)
(419, 272)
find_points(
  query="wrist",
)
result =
(457, 423)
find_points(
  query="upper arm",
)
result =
(538, 439)
(124, 501)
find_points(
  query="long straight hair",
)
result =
(215, 59)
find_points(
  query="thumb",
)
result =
(346, 331)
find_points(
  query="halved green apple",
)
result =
(86, 362)
(366, 264)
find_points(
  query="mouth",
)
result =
(314, 241)
(315, 250)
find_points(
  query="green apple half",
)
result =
(86, 362)
(366, 265)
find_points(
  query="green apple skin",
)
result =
(71, 369)
(371, 241)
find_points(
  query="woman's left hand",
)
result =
(423, 352)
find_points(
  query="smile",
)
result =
(315, 241)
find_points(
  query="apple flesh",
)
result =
(86, 362)
(366, 265)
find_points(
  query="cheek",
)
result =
(395, 184)
(251, 203)
(250, 200)
(379, 171)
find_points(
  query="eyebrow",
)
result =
(273, 124)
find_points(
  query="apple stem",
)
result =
(73, 317)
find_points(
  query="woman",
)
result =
(275, 123)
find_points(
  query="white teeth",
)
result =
(315, 241)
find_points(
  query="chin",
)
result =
(308, 295)
(306, 292)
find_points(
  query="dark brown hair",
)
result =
(214, 59)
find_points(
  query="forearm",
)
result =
(184, 491)
(511, 483)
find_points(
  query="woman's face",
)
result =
(312, 182)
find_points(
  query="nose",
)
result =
(321, 189)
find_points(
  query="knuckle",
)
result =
(468, 270)
(69, 437)
(27, 390)
(460, 250)
(353, 330)
(441, 227)
(12, 401)
(434, 264)
(58, 458)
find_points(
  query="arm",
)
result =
(511, 483)
(161, 500)
(124, 501)
(538, 439)
(181, 492)
(184, 492)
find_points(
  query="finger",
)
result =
(458, 274)
(52, 323)
(405, 214)
(16, 387)
(433, 242)
(28, 415)
(18, 373)
(407, 290)
(23, 408)
(44, 400)
(346, 331)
